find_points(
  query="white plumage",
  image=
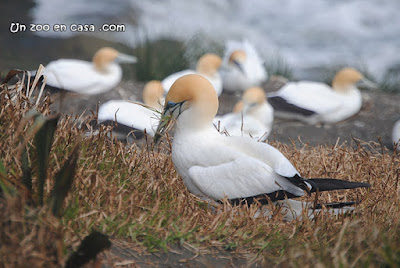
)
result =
(99, 76)
(254, 119)
(314, 102)
(396, 134)
(242, 67)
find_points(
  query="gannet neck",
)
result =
(103, 57)
(152, 94)
(209, 64)
(345, 80)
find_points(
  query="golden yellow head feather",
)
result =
(103, 57)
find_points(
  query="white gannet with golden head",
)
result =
(313, 102)
(215, 166)
(242, 67)
(99, 76)
(207, 66)
(252, 116)
(134, 118)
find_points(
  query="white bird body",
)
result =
(207, 67)
(314, 102)
(396, 134)
(216, 166)
(96, 77)
(244, 70)
(255, 119)
(129, 114)
(81, 76)
(135, 117)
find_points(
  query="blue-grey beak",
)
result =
(366, 84)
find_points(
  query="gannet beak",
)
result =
(170, 114)
(239, 65)
(124, 58)
(366, 84)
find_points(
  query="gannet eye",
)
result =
(171, 104)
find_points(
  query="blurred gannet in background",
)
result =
(396, 134)
(207, 66)
(99, 76)
(314, 102)
(253, 116)
(215, 166)
(242, 67)
(133, 117)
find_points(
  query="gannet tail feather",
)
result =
(335, 184)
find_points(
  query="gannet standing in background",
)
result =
(101, 75)
(254, 118)
(396, 134)
(133, 117)
(207, 66)
(215, 166)
(242, 67)
(314, 102)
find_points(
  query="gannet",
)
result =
(134, 118)
(99, 76)
(396, 134)
(242, 67)
(253, 116)
(215, 166)
(313, 102)
(207, 66)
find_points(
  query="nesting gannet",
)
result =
(253, 116)
(313, 102)
(134, 118)
(396, 134)
(242, 67)
(207, 66)
(216, 166)
(99, 76)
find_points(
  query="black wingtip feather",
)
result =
(335, 184)
(280, 104)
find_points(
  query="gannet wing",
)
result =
(74, 75)
(241, 178)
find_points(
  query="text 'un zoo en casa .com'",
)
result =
(16, 27)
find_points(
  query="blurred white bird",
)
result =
(253, 116)
(99, 76)
(313, 102)
(134, 118)
(207, 66)
(396, 134)
(242, 67)
(215, 166)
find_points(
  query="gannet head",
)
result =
(253, 97)
(152, 94)
(193, 96)
(347, 78)
(208, 64)
(106, 55)
(238, 58)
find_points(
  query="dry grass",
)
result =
(136, 196)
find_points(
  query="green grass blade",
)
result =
(63, 181)
(91, 245)
(43, 141)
